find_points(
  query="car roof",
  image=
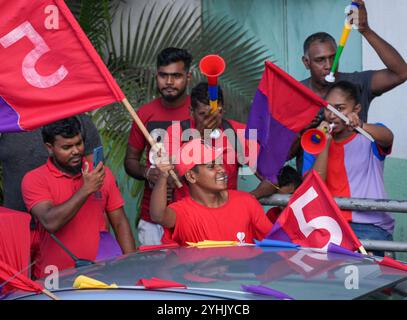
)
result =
(219, 273)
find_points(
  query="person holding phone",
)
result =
(21, 152)
(60, 195)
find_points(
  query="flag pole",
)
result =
(50, 294)
(147, 135)
(362, 250)
(345, 118)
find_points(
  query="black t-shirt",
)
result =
(24, 151)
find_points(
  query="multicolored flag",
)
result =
(313, 219)
(281, 108)
(49, 68)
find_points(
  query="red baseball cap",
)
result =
(196, 152)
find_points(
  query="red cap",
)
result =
(195, 152)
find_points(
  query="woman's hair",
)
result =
(352, 91)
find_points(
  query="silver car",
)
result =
(228, 273)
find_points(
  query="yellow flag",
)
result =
(212, 243)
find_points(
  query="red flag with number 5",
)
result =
(49, 69)
(313, 219)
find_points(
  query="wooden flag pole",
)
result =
(362, 250)
(50, 294)
(147, 135)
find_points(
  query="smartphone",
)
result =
(97, 156)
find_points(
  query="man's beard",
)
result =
(172, 98)
(72, 170)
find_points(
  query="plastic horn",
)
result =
(313, 141)
(212, 66)
(347, 28)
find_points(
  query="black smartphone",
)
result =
(97, 156)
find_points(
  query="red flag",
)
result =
(157, 283)
(312, 218)
(390, 262)
(49, 68)
(15, 239)
(16, 280)
(158, 246)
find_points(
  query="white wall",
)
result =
(389, 20)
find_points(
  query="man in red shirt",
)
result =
(211, 211)
(173, 77)
(70, 200)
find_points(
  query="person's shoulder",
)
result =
(37, 174)
(42, 169)
(181, 205)
(146, 107)
(147, 110)
(356, 76)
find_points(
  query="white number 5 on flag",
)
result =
(40, 47)
(321, 222)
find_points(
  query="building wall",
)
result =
(388, 19)
(283, 25)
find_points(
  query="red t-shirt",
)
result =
(241, 213)
(230, 160)
(154, 116)
(81, 234)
